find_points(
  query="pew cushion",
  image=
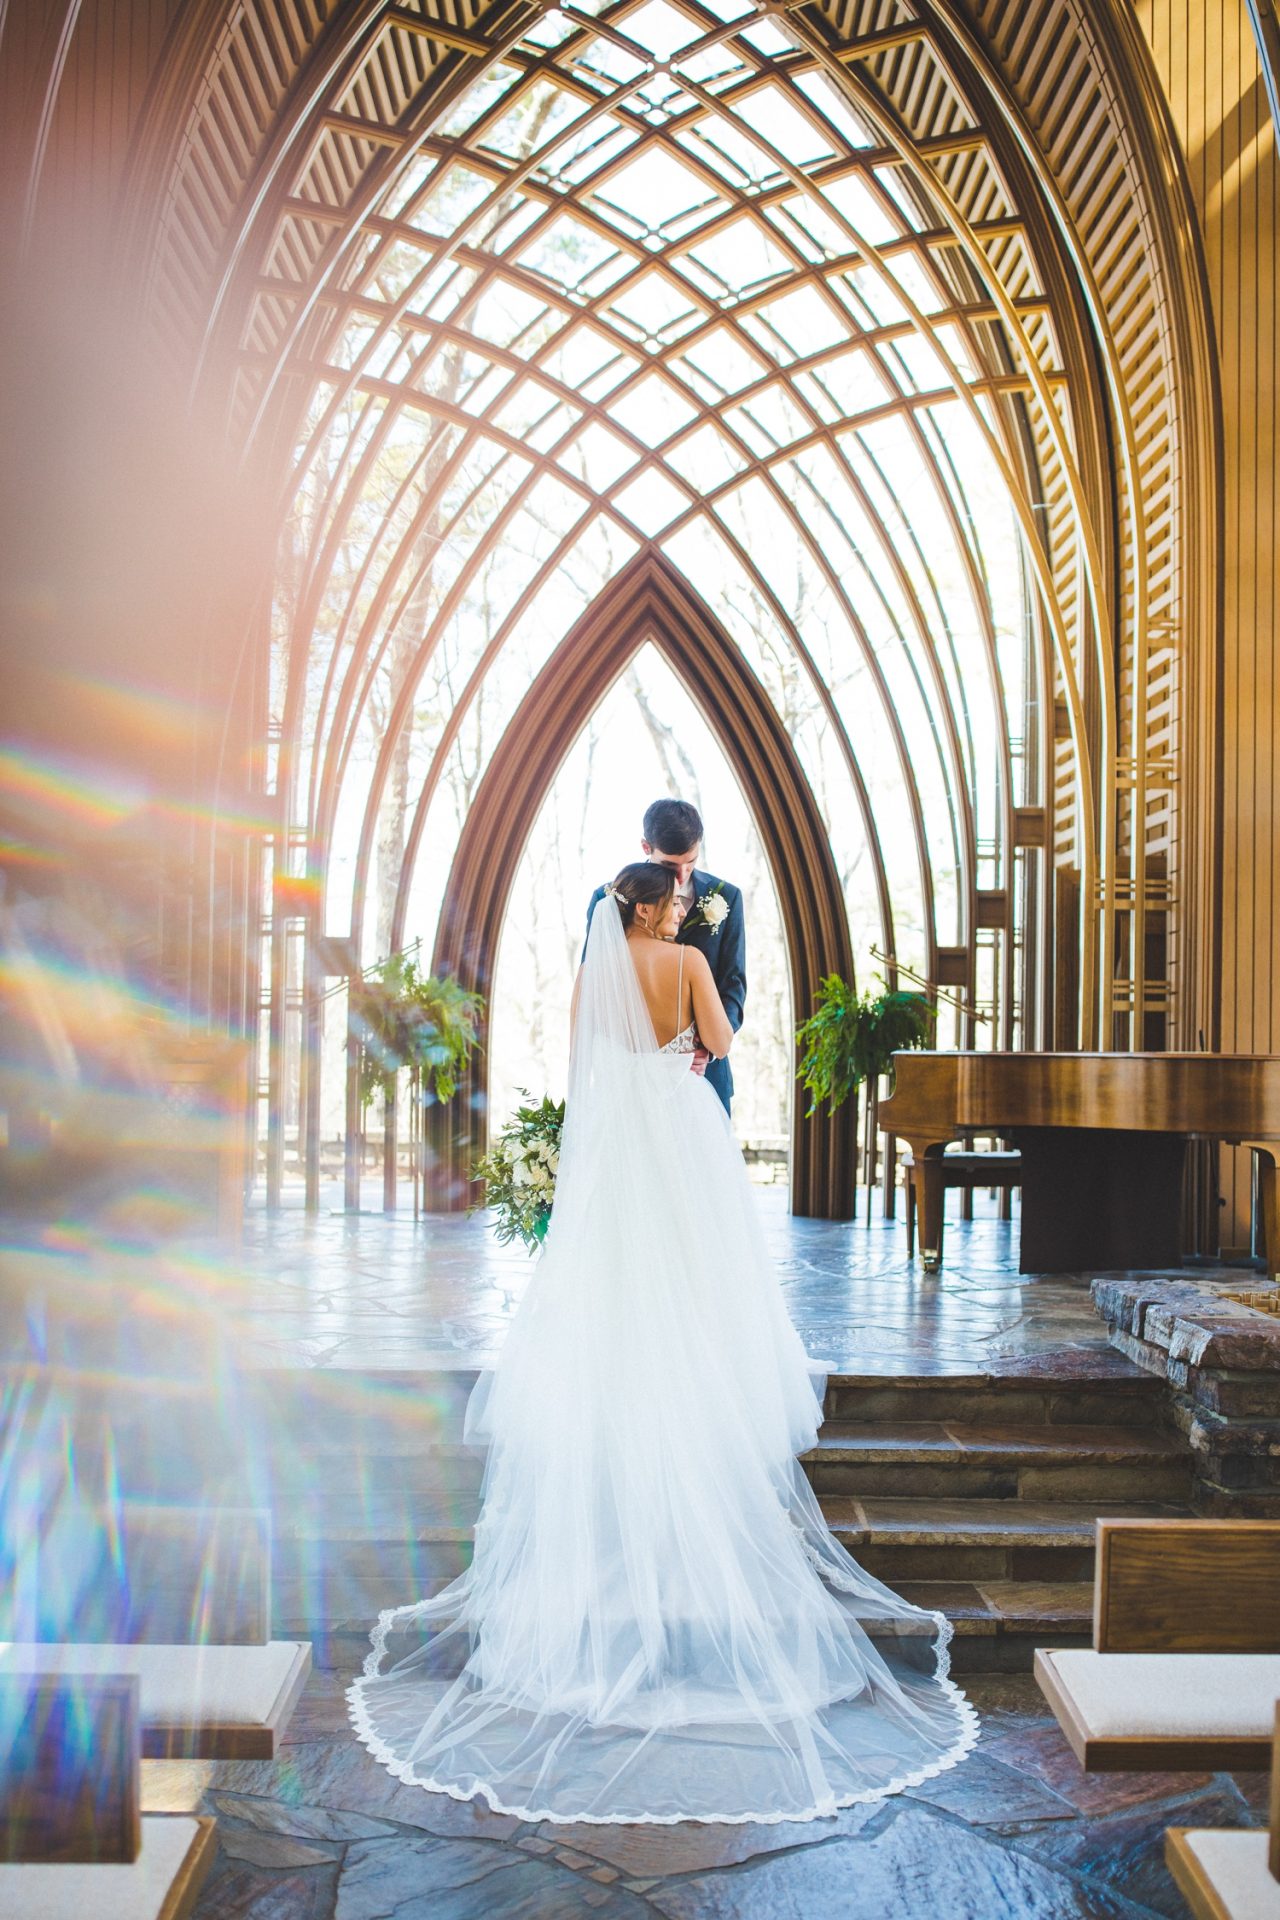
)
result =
(204, 1703)
(1147, 1710)
(1224, 1876)
(161, 1884)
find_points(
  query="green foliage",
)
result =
(519, 1171)
(848, 1039)
(403, 1018)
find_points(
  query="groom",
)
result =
(712, 917)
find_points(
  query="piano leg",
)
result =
(932, 1202)
(1268, 1203)
(890, 1196)
(1094, 1200)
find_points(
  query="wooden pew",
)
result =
(1230, 1874)
(73, 1843)
(1185, 1663)
(181, 1600)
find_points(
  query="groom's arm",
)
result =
(731, 974)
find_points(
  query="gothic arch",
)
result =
(651, 601)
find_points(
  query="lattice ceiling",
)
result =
(840, 297)
(652, 277)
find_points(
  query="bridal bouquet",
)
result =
(519, 1172)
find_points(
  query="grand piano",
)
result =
(1103, 1138)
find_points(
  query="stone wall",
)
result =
(1221, 1359)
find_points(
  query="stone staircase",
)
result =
(977, 1495)
(973, 1494)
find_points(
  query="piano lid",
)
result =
(1222, 1095)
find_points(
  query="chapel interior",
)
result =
(430, 432)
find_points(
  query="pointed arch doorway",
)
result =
(651, 602)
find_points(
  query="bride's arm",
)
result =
(710, 1018)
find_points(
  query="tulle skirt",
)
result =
(657, 1624)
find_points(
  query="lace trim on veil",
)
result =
(970, 1730)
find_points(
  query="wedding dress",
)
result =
(657, 1624)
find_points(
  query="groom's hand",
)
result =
(701, 1059)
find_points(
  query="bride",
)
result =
(657, 1624)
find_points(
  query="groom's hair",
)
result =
(672, 826)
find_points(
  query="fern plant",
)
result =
(849, 1038)
(404, 1018)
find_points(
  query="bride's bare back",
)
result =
(679, 990)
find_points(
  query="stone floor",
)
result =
(375, 1291)
(1016, 1830)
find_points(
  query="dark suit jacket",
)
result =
(726, 951)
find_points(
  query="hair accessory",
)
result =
(611, 888)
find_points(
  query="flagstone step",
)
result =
(291, 1434)
(998, 1624)
(859, 1523)
(325, 1411)
(331, 1411)
(1019, 1606)
(322, 1409)
(1035, 1462)
(1012, 1575)
(1044, 1541)
(911, 1461)
(1101, 1389)
(365, 1480)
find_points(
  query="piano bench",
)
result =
(964, 1170)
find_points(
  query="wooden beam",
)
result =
(427, 28)
(372, 130)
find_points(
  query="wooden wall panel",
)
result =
(1080, 73)
(84, 71)
(112, 57)
(1207, 62)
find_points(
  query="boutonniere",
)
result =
(711, 911)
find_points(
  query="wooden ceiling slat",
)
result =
(369, 130)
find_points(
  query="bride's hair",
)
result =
(643, 884)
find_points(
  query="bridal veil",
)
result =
(657, 1624)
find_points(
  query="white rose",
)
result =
(715, 909)
(553, 1160)
(520, 1175)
